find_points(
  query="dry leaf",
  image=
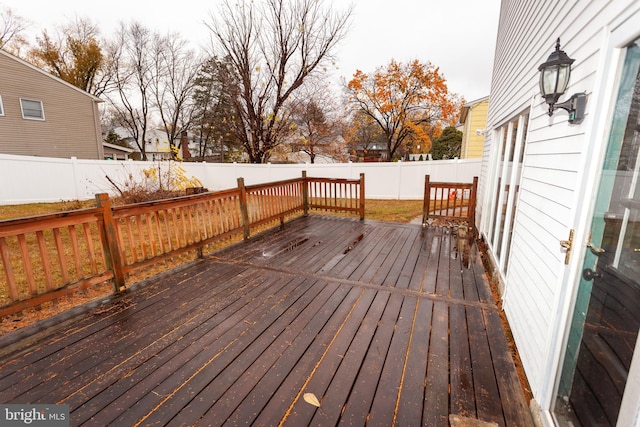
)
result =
(311, 399)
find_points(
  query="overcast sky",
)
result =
(456, 35)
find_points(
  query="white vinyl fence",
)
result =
(26, 179)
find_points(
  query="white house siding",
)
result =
(556, 156)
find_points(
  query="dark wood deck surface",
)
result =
(382, 324)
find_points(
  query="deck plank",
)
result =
(296, 382)
(385, 323)
(411, 399)
(339, 389)
(358, 405)
(488, 403)
(383, 406)
(287, 363)
(462, 392)
(69, 368)
(436, 399)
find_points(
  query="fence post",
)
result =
(109, 237)
(305, 193)
(244, 210)
(426, 200)
(472, 206)
(361, 196)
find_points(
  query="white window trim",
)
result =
(32, 118)
(1, 107)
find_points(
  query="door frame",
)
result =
(615, 38)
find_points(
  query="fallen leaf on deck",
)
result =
(311, 399)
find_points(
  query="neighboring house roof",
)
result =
(466, 107)
(118, 147)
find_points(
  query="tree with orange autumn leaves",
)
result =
(409, 102)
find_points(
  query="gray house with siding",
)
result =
(42, 115)
(559, 206)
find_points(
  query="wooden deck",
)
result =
(384, 325)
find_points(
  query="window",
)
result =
(32, 109)
(512, 138)
(1, 107)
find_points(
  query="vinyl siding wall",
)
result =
(71, 125)
(556, 154)
(477, 119)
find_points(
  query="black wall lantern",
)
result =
(554, 79)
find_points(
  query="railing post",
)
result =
(109, 237)
(305, 193)
(244, 210)
(361, 196)
(426, 203)
(472, 206)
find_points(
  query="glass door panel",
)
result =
(606, 318)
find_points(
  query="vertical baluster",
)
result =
(8, 270)
(132, 246)
(61, 257)
(76, 251)
(44, 256)
(150, 236)
(26, 263)
(143, 241)
(90, 248)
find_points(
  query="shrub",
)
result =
(163, 181)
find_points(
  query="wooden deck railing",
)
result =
(450, 201)
(45, 257)
(341, 195)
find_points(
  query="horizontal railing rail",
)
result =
(450, 201)
(45, 257)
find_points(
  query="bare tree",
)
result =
(11, 28)
(176, 69)
(273, 45)
(132, 55)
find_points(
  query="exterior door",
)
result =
(606, 319)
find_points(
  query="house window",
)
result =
(32, 109)
(1, 107)
(512, 142)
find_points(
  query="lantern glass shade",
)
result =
(554, 80)
(554, 75)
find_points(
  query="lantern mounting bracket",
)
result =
(575, 106)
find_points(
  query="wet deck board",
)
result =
(383, 323)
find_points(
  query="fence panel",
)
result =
(52, 179)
